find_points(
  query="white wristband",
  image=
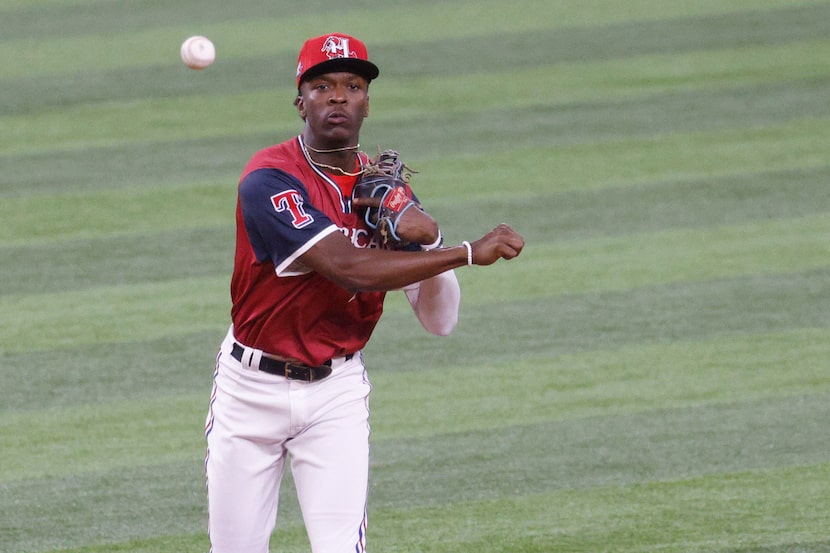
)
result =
(469, 252)
(435, 245)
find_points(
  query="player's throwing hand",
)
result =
(500, 243)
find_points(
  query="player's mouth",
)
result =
(337, 118)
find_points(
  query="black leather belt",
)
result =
(294, 371)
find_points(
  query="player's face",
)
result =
(333, 106)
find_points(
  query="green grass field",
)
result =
(651, 375)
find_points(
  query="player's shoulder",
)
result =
(284, 156)
(265, 182)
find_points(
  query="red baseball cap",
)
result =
(334, 52)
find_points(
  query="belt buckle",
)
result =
(295, 371)
(289, 371)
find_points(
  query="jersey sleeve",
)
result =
(281, 222)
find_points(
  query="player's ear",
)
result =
(300, 104)
(366, 110)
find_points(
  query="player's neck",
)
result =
(333, 150)
(340, 160)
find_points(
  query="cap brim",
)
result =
(365, 69)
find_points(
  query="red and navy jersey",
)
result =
(285, 206)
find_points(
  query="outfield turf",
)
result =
(651, 375)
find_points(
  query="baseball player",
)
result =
(307, 290)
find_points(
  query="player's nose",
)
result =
(338, 93)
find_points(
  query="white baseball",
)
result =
(198, 52)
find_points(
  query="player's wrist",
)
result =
(435, 245)
(469, 248)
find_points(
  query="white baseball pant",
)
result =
(257, 420)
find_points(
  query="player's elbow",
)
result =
(443, 327)
(440, 320)
(353, 283)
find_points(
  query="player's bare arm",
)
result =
(362, 269)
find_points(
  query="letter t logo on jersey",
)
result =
(292, 202)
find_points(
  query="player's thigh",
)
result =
(330, 465)
(243, 494)
(245, 458)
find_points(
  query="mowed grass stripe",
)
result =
(115, 212)
(659, 445)
(151, 120)
(596, 453)
(747, 199)
(114, 314)
(208, 114)
(158, 44)
(182, 164)
(171, 367)
(44, 17)
(612, 239)
(145, 500)
(146, 212)
(469, 393)
(156, 309)
(591, 122)
(751, 509)
(473, 172)
(13, 8)
(550, 326)
(707, 157)
(629, 260)
(602, 121)
(642, 34)
(453, 402)
(586, 122)
(743, 512)
(185, 542)
(467, 21)
(591, 80)
(103, 436)
(140, 258)
(452, 56)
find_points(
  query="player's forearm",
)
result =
(390, 270)
(367, 269)
(359, 270)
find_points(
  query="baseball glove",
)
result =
(386, 179)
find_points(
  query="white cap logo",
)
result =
(337, 47)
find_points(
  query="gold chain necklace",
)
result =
(331, 167)
(343, 149)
